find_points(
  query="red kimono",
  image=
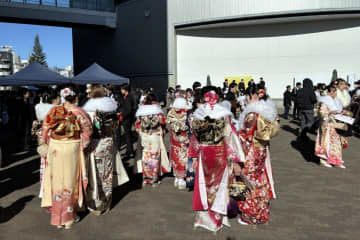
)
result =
(255, 137)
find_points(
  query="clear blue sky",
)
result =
(56, 42)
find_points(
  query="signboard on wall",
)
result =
(238, 79)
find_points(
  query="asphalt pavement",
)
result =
(312, 202)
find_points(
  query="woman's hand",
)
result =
(237, 169)
(194, 164)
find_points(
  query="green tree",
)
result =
(208, 80)
(37, 54)
(334, 75)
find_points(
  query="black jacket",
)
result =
(305, 97)
(127, 106)
(241, 86)
(287, 98)
(293, 94)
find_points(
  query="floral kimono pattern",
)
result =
(67, 132)
(101, 162)
(255, 137)
(101, 174)
(215, 153)
(329, 144)
(150, 128)
(179, 141)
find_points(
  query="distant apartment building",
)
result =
(10, 62)
(68, 71)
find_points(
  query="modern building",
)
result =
(10, 62)
(162, 43)
(66, 72)
(6, 61)
(159, 43)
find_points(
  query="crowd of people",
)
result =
(331, 111)
(219, 144)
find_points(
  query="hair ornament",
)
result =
(261, 93)
(211, 98)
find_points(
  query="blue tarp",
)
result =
(34, 74)
(95, 74)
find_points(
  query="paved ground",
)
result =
(313, 203)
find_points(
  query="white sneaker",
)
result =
(340, 166)
(241, 222)
(176, 182)
(182, 184)
(325, 164)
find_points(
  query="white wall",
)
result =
(277, 59)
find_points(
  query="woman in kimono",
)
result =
(179, 141)
(329, 144)
(49, 101)
(66, 131)
(213, 146)
(258, 124)
(104, 157)
(150, 125)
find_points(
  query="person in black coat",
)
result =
(287, 101)
(294, 94)
(231, 96)
(27, 116)
(127, 109)
(241, 86)
(306, 100)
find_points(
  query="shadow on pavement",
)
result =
(288, 128)
(19, 177)
(307, 150)
(134, 184)
(15, 157)
(11, 211)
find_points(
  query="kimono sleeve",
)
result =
(86, 128)
(46, 126)
(265, 129)
(193, 150)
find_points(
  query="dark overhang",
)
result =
(272, 24)
(55, 16)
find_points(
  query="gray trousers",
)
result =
(306, 119)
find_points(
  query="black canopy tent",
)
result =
(96, 74)
(34, 74)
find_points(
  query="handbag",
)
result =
(238, 189)
(343, 129)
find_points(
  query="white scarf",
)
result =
(145, 110)
(214, 112)
(333, 104)
(42, 109)
(104, 104)
(267, 109)
(180, 103)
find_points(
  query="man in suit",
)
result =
(231, 96)
(296, 107)
(306, 100)
(241, 86)
(127, 109)
(287, 101)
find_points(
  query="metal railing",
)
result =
(96, 5)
